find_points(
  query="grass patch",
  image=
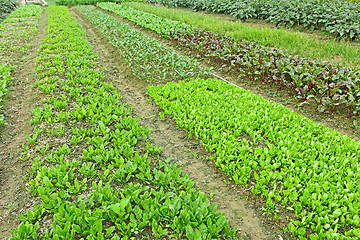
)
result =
(296, 43)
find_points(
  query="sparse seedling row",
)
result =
(92, 175)
(16, 31)
(147, 58)
(330, 86)
(5, 80)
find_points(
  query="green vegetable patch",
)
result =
(17, 30)
(95, 172)
(286, 158)
(146, 57)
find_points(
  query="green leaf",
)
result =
(110, 230)
(189, 232)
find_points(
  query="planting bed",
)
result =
(124, 135)
(286, 158)
(15, 33)
(18, 50)
(146, 57)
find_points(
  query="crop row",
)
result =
(284, 157)
(147, 58)
(95, 172)
(15, 33)
(79, 2)
(16, 30)
(328, 85)
(336, 17)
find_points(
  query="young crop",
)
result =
(20, 24)
(20, 27)
(147, 58)
(5, 80)
(91, 176)
(330, 86)
(288, 159)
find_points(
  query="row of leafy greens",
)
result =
(95, 172)
(147, 58)
(20, 27)
(284, 157)
(80, 2)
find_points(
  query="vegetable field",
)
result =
(121, 124)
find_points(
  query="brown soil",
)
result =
(241, 213)
(14, 199)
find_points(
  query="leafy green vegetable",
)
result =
(147, 58)
(304, 166)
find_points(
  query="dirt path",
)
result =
(189, 153)
(14, 199)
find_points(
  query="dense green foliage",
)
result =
(284, 157)
(147, 58)
(7, 6)
(94, 169)
(330, 86)
(336, 17)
